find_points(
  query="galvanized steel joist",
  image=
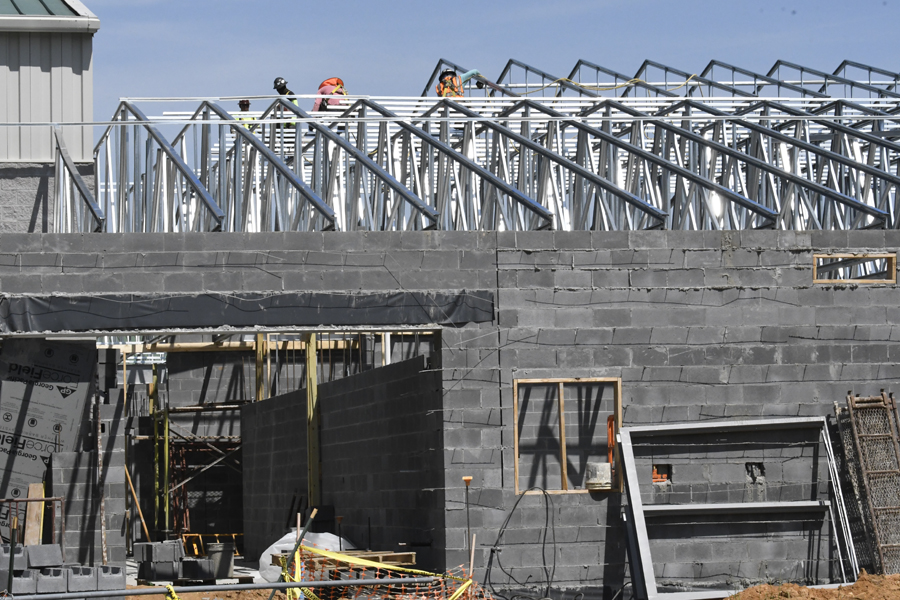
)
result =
(598, 150)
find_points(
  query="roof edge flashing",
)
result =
(50, 24)
(80, 8)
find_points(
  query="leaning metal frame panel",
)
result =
(637, 510)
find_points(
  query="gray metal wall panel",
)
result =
(5, 74)
(47, 77)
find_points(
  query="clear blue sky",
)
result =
(237, 47)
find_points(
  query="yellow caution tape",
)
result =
(309, 594)
(170, 593)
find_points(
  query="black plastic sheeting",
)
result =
(116, 312)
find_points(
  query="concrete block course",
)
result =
(699, 325)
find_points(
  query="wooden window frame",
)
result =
(890, 257)
(617, 417)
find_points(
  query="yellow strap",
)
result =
(461, 589)
(170, 593)
(355, 560)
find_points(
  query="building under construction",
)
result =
(582, 333)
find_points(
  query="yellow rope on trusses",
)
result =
(595, 88)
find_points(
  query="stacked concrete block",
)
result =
(16, 554)
(44, 555)
(201, 569)
(159, 561)
(73, 475)
(82, 579)
(52, 580)
(24, 582)
(110, 578)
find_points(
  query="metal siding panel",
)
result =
(71, 94)
(86, 77)
(4, 104)
(14, 145)
(56, 77)
(59, 69)
(24, 93)
(42, 92)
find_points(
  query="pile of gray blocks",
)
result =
(165, 561)
(40, 569)
(73, 476)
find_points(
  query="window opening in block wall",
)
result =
(662, 473)
(856, 268)
(565, 434)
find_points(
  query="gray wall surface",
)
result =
(381, 447)
(381, 460)
(46, 77)
(699, 326)
(73, 475)
(275, 477)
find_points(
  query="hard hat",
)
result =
(335, 81)
(243, 103)
(280, 82)
(446, 72)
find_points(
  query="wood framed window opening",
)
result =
(825, 266)
(559, 384)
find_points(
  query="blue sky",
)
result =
(237, 47)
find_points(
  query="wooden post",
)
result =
(34, 515)
(313, 457)
(563, 459)
(261, 352)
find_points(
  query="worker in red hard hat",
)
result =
(333, 86)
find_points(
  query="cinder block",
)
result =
(51, 580)
(20, 561)
(44, 555)
(156, 571)
(143, 551)
(23, 583)
(82, 579)
(201, 569)
(111, 578)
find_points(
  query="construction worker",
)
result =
(450, 84)
(282, 88)
(244, 105)
(333, 86)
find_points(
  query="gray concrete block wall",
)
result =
(381, 460)
(26, 202)
(381, 450)
(73, 475)
(699, 325)
(274, 471)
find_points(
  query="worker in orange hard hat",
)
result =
(450, 84)
(333, 86)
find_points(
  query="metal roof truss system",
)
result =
(725, 149)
